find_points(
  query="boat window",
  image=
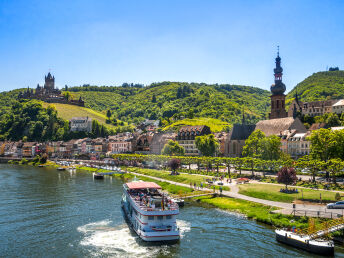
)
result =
(150, 217)
(160, 217)
(168, 217)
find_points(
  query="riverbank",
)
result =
(259, 212)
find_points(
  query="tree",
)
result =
(253, 144)
(191, 113)
(334, 166)
(67, 95)
(207, 144)
(271, 147)
(154, 99)
(332, 120)
(174, 164)
(322, 144)
(286, 176)
(173, 148)
(108, 114)
(311, 163)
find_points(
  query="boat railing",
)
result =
(146, 207)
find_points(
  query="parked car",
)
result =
(337, 205)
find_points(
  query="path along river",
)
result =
(46, 213)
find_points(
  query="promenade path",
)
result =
(284, 208)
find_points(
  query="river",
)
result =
(46, 213)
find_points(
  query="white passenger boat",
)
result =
(150, 213)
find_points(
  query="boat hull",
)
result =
(166, 237)
(317, 249)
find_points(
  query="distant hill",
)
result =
(320, 86)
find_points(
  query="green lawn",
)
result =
(257, 212)
(215, 125)
(272, 193)
(182, 178)
(171, 188)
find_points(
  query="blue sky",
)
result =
(111, 42)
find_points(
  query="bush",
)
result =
(337, 197)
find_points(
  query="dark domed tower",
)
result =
(49, 83)
(277, 90)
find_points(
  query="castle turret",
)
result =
(49, 83)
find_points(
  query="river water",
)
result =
(46, 213)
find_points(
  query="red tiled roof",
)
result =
(143, 185)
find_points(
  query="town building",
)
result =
(81, 124)
(277, 90)
(121, 143)
(236, 139)
(314, 108)
(279, 125)
(143, 143)
(159, 140)
(298, 145)
(186, 138)
(338, 107)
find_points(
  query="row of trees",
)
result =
(333, 166)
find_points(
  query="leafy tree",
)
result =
(67, 95)
(271, 147)
(108, 113)
(207, 144)
(286, 176)
(154, 99)
(334, 166)
(332, 120)
(174, 164)
(173, 148)
(253, 145)
(322, 144)
(191, 113)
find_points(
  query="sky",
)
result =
(111, 42)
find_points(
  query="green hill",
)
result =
(320, 86)
(170, 101)
(176, 99)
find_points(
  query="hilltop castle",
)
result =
(49, 93)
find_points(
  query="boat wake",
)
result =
(102, 238)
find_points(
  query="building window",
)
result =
(150, 217)
(160, 217)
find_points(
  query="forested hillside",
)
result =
(168, 101)
(174, 100)
(320, 86)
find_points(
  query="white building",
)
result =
(78, 124)
(298, 145)
(338, 107)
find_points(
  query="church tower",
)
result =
(277, 90)
(49, 83)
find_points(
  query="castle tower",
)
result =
(49, 83)
(277, 90)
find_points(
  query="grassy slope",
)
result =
(271, 192)
(68, 111)
(320, 86)
(215, 125)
